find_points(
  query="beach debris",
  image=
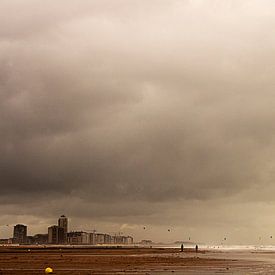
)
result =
(48, 270)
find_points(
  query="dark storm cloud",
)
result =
(103, 101)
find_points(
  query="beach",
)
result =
(93, 260)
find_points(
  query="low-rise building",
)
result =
(30, 240)
(40, 238)
(100, 238)
(6, 241)
(78, 237)
(128, 240)
(107, 239)
(92, 237)
(146, 242)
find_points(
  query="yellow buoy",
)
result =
(48, 270)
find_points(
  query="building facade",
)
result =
(63, 222)
(20, 234)
(92, 238)
(100, 238)
(40, 238)
(56, 235)
(78, 237)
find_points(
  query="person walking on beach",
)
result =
(181, 247)
(197, 248)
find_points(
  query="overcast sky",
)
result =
(130, 113)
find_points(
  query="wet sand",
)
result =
(26, 260)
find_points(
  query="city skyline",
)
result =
(59, 234)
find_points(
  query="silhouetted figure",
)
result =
(197, 248)
(181, 248)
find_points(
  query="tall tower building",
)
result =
(56, 235)
(63, 222)
(20, 233)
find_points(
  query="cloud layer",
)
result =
(124, 111)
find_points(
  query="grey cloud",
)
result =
(107, 103)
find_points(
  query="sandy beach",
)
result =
(26, 260)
